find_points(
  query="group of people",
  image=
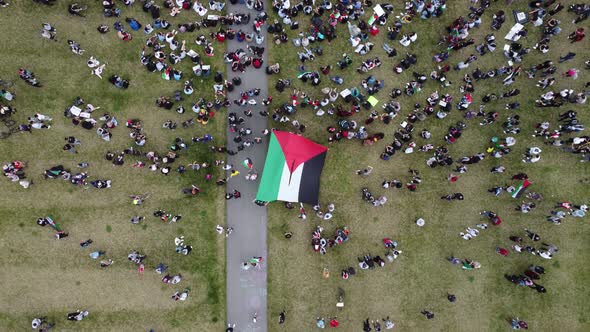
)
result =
(320, 244)
(15, 171)
(167, 46)
(168, 50)
(343, 103)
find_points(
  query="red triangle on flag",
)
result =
(297, 149)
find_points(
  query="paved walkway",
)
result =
(246, 290)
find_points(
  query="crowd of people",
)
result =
(167, 47)
(359, 22)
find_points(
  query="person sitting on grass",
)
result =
(37, 322)
(388, 323)
(76, 10)
(427, 314)
(78, 315)
(470, 265)
(45, 2)
(119, 82)
(181, 296)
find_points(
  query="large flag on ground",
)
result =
(292, 169)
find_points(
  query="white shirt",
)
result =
(405, 41)
(92, 62)
(545, 254)
(43, 117)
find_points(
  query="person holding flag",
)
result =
(248, 163)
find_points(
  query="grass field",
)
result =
(421, 277)
(42, 276)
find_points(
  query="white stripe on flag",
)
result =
(289, 187)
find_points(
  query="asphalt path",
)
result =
(246, 289)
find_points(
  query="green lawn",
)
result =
(421, 277)
(43, 276)
(46, 277)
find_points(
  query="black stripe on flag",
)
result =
(309, 186)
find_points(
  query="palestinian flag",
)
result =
(520, 189)
(292, 169)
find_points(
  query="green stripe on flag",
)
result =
(518, 191)
(270, 182)
(515, 192)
